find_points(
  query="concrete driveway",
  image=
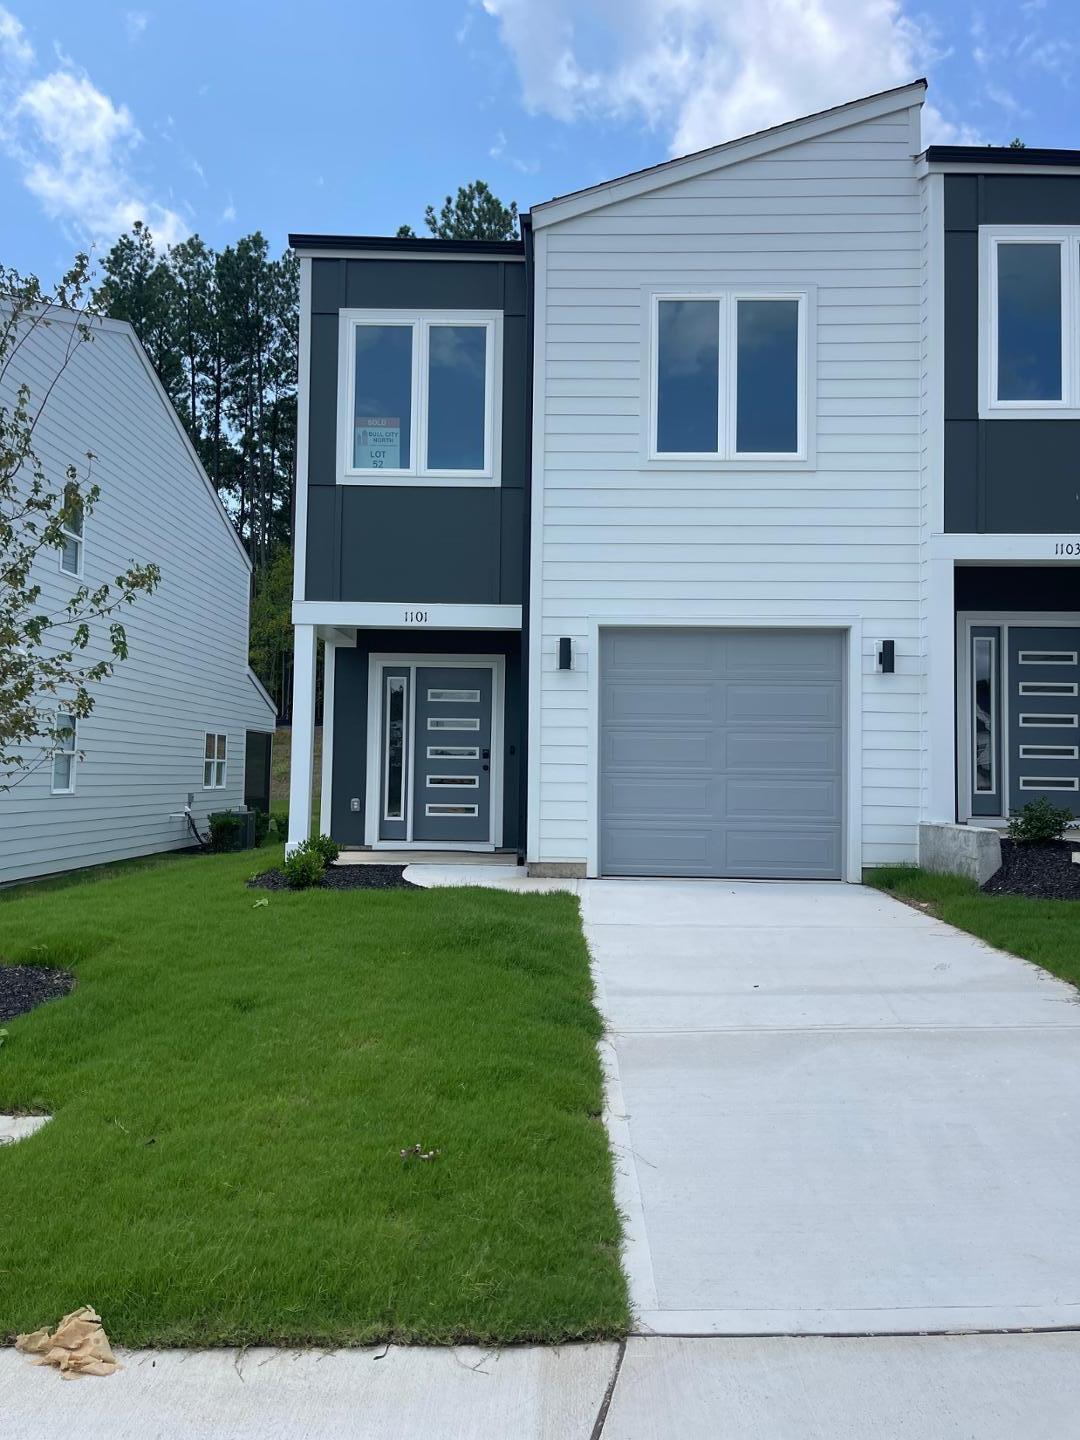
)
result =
(834, 1115)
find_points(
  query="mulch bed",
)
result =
(24, 986)
(345, 877)
(1043, 872)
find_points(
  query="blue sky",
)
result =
(223, 116)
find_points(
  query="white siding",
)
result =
(187, 668)
(622, 539)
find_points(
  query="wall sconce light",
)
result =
(566, 659)
(886, 657)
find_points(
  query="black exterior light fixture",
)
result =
(886, 657)
(566, 657)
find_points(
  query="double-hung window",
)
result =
(1029, 281)
(215, 747)
(63, 754)
(419, 396)
(729, 376)
(71, 551)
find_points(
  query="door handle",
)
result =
(486, 754)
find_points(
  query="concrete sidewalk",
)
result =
(999, 1387)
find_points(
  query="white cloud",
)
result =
(136, 22)
(229, 213)
(74, 145)
(709, 70)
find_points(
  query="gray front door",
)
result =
(1044, 715)
(452, 750)
(722, 753)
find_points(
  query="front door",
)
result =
(1044, 715)
(436, 754)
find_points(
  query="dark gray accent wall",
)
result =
(350, 720)
(1001, 476)
(412, 542)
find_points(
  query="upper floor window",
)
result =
(419, 396)
(729, 376)
(1030, 291)
(71, 552)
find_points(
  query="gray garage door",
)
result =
(721, 753)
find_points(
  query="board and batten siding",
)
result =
(621, 539)
(187, 668)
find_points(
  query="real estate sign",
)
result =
(377, 442)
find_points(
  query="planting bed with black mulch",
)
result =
(24, 986)
(345, 877)
(1044, 872)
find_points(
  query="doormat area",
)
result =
(22, 987)
(343, 877)
(1042, 872)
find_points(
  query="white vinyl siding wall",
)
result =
(187, 669)
(625, 540)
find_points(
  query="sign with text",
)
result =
(377, 442)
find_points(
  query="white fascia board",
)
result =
(730, 153)
(1007, 549)
(303, 407)
(262, 692)
(393, 615)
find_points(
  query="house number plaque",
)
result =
(416, 617)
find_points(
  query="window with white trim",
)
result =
(215, 755)
(71, 551)
(63, 755)
(1030, 306)
(729, 376)
(419, 396)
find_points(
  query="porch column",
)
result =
(303, 736)
(940, 806)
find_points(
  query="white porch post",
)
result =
(940, 694)
(327, 778)
(303, 736)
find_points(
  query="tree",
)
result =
(47, 655)
(476, 214)
(1017, 144)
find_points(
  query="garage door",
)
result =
(721, 753)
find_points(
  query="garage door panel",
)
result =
(775, 750)
(783, 703)
(721, 753)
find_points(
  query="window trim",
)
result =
(1067, 238)
(214, 761)
(992, 788)
(421, 323)
(69, 788)
(726, 454)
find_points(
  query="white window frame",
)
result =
(726, 454)
(78, 538)
(69, 788)
(215, 762)
(1067, 237)
(421, 323)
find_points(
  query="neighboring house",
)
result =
(783, 448)
(410, 540)
(183, 715)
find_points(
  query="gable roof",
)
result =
(761, 142)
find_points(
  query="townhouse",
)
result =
(719, 527)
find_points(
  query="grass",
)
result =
(1044, 931)
(232, 1086)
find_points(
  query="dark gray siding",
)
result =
(350, 719)
(1001, 476)
(411, 542)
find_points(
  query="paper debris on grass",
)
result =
(78, 1345)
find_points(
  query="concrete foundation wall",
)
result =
(970, 850)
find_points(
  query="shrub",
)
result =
(262, 826)
(280, 820)
(324, 846)
(303, 868)
(225, 831)
(1039, 821)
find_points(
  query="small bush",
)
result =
(262, 826)
(324, 846)
(280, 820)
(303, 869)
(1039, 821)
(225, 832)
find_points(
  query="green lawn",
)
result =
(1045, 931)
(232, 1086)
